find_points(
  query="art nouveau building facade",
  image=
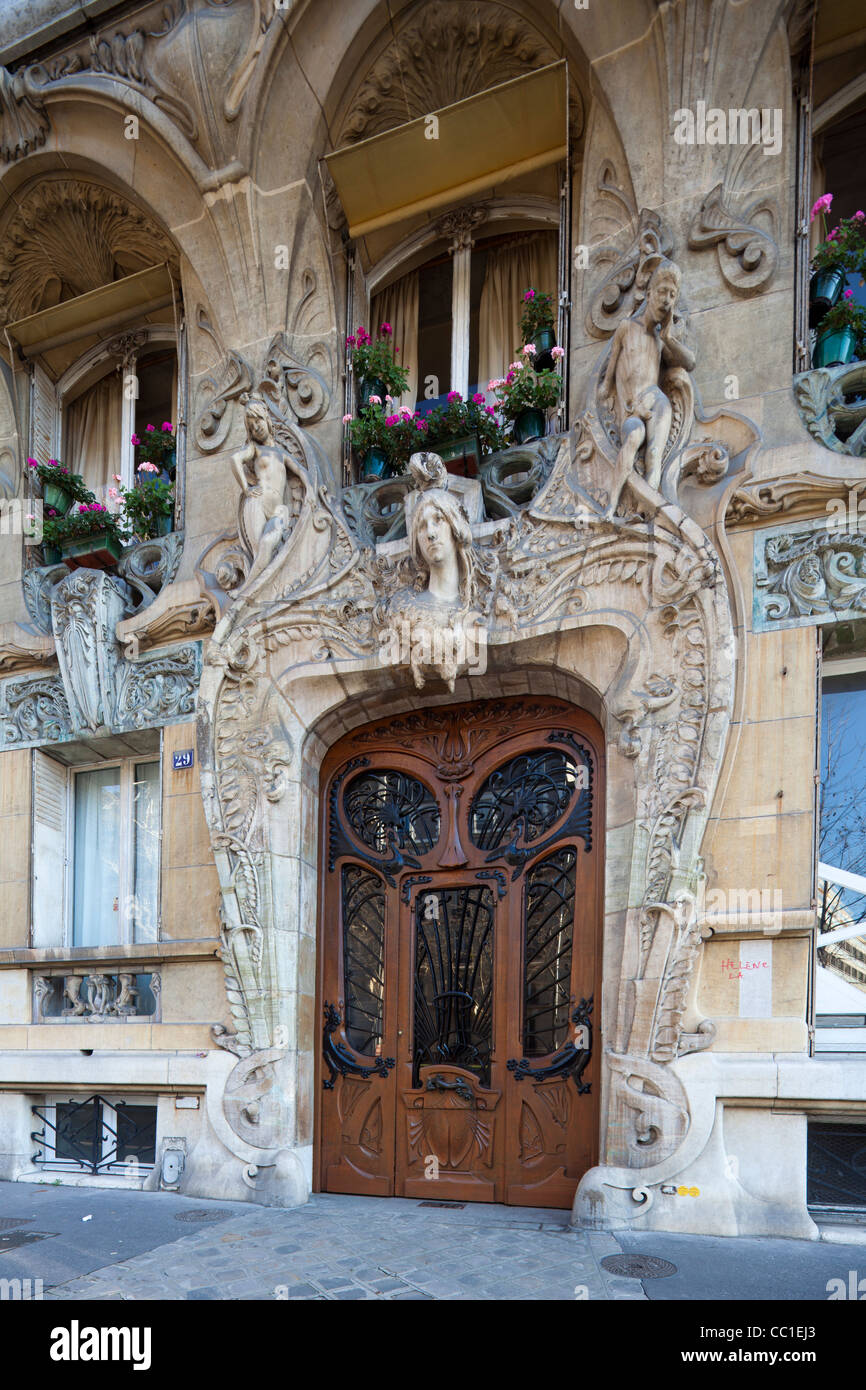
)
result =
(291, 900)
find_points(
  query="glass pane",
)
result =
(145, 858)
(156, 393)
(523, 799)
(840, 996)
(548, 930)
(96, 867)
(135, 1127)
(477, 272)
(77, 1132)
(363, 957)
(386, 808)
(434, 334)
(454, 980)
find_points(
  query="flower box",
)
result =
(98, 551)
(462, 456)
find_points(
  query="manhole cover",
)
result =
(638, 1266)
(444, 1206)
(201, 1215)
(8, 1223)
(16, 1238)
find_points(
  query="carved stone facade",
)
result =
(659, 559)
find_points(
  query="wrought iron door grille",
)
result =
(95, 1136)
(836, 1167)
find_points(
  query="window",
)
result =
(840, 986)
(96, 1134)
(456, 319)
(96, 849)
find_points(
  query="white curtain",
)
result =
(96, 884)
(94, 425)
(145, 829)
(528, 262)
(398, 305)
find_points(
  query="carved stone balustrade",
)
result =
(832, 403)
(509, 481)
(96, 998)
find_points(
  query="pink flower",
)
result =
(478, 398)
(406, 412)
(385, 328)
(821, 205)
(557, 352)
(494, 383)
(350, 342)
(831, 236)
(860, 216)
(134, 439)
(33, 463)
(117, 478)
(528, 349)
(168, 426)
(375, 400)
(454, 396)
(147, 468)
(150, 428)
(113, 493)
(849, 294)
(515, 366)
(52, 463)
(420, 424)
(530, 294)
(490, 410)
(392, 419)
(346, 419)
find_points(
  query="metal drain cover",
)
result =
(14, 1239)
(638, 1266)
(201, 1215)
(444, 1206)
(8, 1223)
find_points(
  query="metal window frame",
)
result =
(104, 1165)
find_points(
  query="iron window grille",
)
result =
(96, 1135)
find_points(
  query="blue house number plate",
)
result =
(184, 758)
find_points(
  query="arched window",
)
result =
(456, 318)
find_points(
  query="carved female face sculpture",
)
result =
(439, 535)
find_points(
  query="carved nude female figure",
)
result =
(264, 471)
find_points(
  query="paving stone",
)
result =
(201, 1294)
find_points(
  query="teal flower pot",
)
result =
(544, 340)
(51, 554)
(164, 525)
(375, 465)
(825, 288)
(834, 349)
(98, 551)
(370, 386)
(54, 495)
(461, 456)
(529, 424)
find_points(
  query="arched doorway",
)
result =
(459, 949)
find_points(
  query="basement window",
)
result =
(95, 1134)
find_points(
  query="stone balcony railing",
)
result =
(509, 482)
(832, 404)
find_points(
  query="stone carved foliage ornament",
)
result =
(814, 576)
(747, 254)
(23, 122)
(624, 287)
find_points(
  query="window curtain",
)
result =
(398, 305)
(145, 827)
(94, 442)
(529, 262)
(96, 883)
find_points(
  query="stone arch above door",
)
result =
(638, 614)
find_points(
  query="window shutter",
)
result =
(44, 416)
(50, 812)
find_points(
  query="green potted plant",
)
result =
(157, 447)
(60, 486)
(374, 366)
(842, 251)
(842, 336)
(462, 432)
(149, 506)
(525, 395)
(87, 537)
(537, 327)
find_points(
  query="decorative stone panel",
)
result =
(808, 576)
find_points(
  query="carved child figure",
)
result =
(642, 347)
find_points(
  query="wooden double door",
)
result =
(459, 954)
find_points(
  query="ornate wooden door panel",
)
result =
(461, 893)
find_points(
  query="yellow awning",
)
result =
(98, 311)
(499, 134)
